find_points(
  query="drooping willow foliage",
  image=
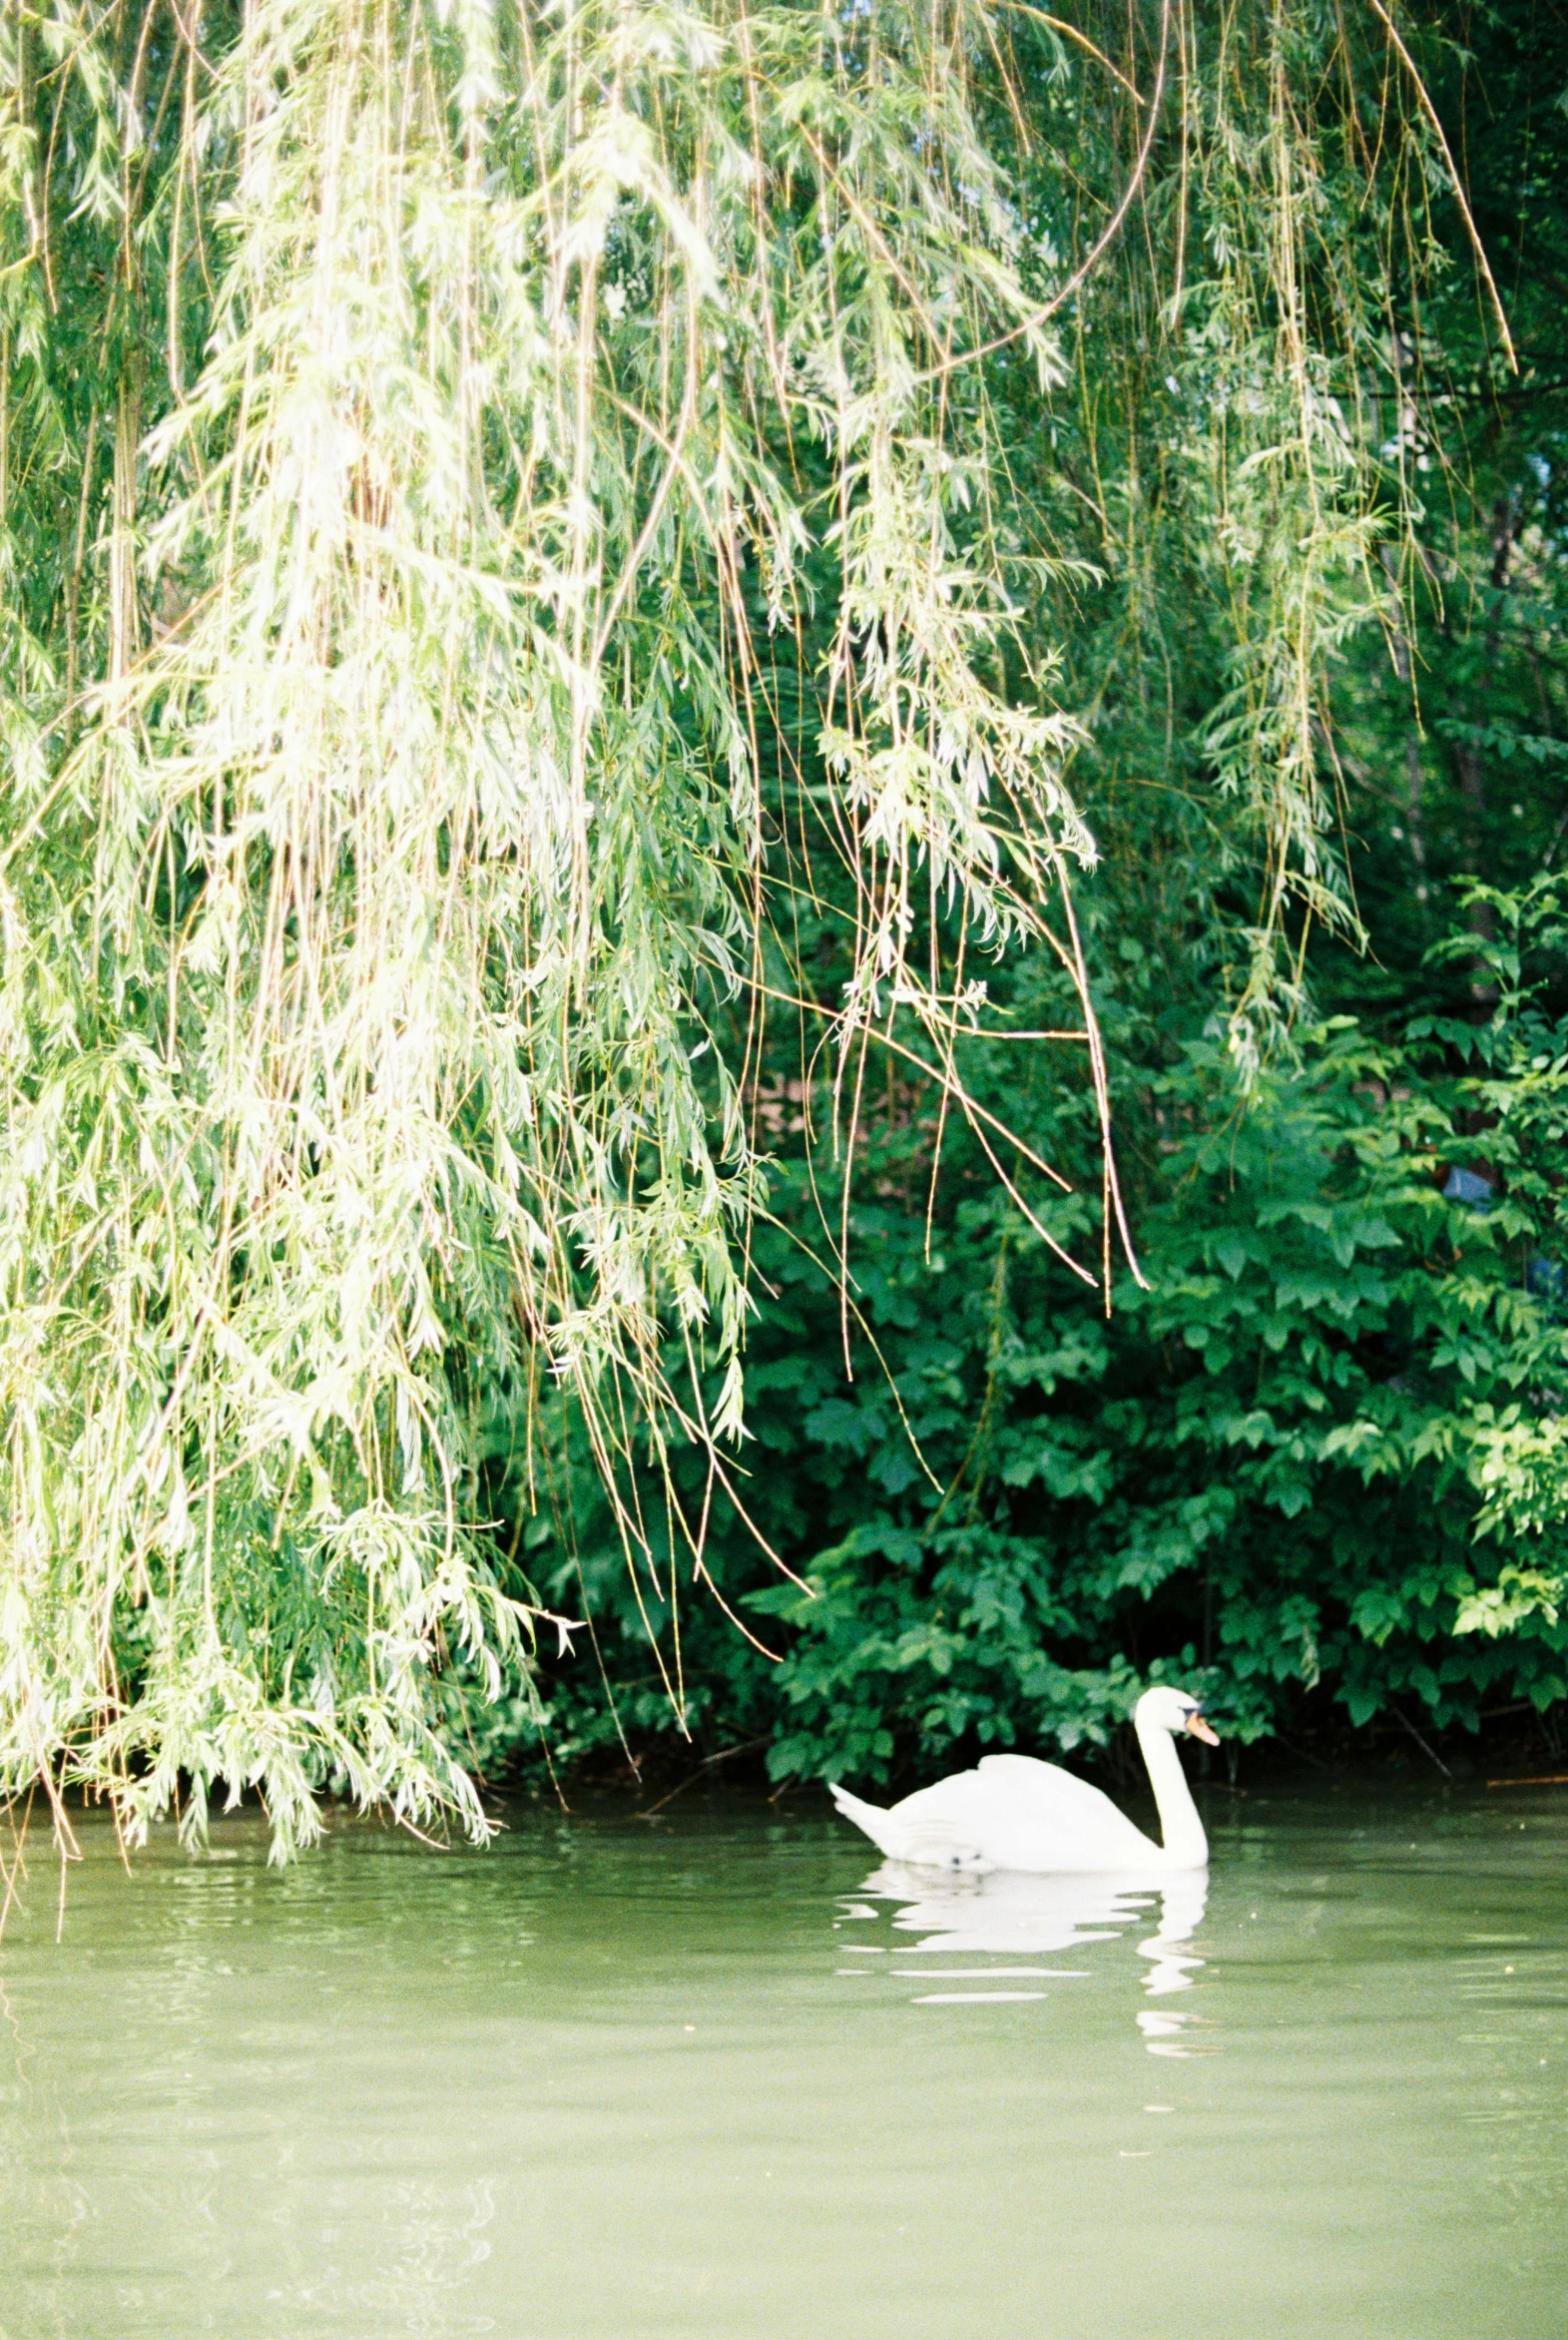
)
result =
(498, 504)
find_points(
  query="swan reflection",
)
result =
(1013, 1914)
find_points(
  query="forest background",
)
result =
(783, 969)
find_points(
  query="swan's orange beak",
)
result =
(1199, 1729)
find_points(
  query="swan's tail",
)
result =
(878, 1825)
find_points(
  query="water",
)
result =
(615, 2081)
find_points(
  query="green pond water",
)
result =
(725, 2075)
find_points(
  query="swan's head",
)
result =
(1174, 1712)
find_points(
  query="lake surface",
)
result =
(725, 2075)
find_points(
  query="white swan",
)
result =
(1017, 1813)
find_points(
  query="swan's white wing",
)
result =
(1064, 1810)
(940, 1827)
(1015, 1813)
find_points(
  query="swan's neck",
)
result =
(1182, 1832)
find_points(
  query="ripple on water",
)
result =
(721, 2079)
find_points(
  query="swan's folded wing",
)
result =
(1054, 1806)
(942, 1826)
(1013, 1813)
(933, 1843)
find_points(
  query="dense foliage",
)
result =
(1316, 1465)
(655, 660)
(1319, 1458)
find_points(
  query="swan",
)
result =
(1015, 1812)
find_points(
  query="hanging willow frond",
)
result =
(427, 427)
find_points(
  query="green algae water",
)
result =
(725, 2075)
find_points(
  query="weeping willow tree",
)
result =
(498, 504)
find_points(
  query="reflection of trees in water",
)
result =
(1011, 1914)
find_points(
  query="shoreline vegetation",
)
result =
(783, 957)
